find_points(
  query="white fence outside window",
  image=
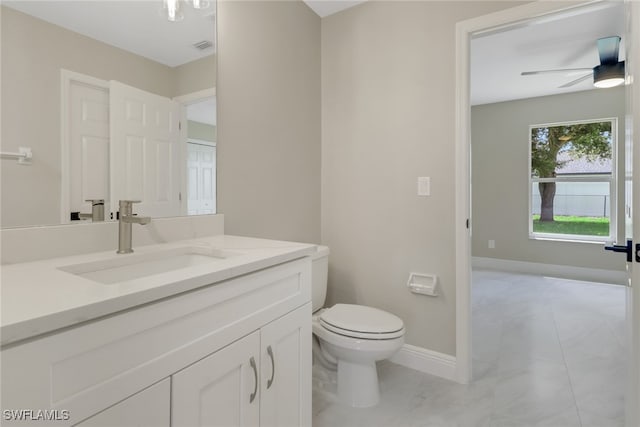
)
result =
(591, 199)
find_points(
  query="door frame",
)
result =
(633, 293)
(184, 101)
(498, 21)
(67, 78)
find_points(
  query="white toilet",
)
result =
(353, 337)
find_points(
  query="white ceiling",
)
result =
(329, 7)
(561, 41)
(497, 59)
(137, 26)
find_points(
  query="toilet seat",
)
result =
(358, 321)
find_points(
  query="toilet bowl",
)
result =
(353, 337)
(356, 349)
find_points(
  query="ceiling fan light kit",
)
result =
(608, 74)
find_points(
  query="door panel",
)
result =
(88, 145)
(146, 159)
(201, 174)
(216, 391)
(632, 192)
(286, 370)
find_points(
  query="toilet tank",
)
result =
(319, 272)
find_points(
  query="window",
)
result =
(572, 180)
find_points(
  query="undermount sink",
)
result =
(129, 267)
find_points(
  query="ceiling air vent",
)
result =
(202, 45)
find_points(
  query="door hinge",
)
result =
(179, 125)
(180, 196)
(468, 223)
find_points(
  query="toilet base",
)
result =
(358, 384)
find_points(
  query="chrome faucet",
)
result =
(124, 225)
(97, 210)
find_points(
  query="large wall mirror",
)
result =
(115, 100)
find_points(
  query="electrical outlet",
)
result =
(492, 244)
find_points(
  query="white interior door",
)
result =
(88, 135)
(632, 192)
(145, 154)
(201, 177)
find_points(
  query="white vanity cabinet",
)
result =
(262, 379)
(150, 407)
(221, 389)
(193, 350)
(285, 355)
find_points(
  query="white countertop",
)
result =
(38, 297)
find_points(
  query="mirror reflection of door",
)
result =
(122, 143)
(145, 151)
(199, 136)
(201, 166)
(86, 126)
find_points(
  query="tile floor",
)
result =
(546, 352)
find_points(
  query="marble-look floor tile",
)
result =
(568, 418)
(546, 352)
(537, 392)
(595, 341)
(589, 419)
(599, 386)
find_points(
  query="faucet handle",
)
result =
(126, 206)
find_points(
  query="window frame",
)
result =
(611, 179)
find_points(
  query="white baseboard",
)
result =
(427, 361)
(552, 270)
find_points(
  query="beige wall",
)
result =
(33, 52)
(195, 76)
(203, 131)
(269, 119)
(388, 116)
(500, 145)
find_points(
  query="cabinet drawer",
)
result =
(149, 408)
(88, 368)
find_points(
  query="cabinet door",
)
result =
(148, 408)
(221, 389)
(286, 370)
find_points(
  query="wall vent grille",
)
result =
(202, 45)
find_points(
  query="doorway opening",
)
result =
(535, 327)
(198, 134)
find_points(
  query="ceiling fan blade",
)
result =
(608, 49)
(576, 81)
(563, 70)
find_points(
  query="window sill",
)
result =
(593, 240)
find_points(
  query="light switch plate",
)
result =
(424, 186)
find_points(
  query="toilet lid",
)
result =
(362, 322)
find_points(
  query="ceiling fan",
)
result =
(609, 73)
